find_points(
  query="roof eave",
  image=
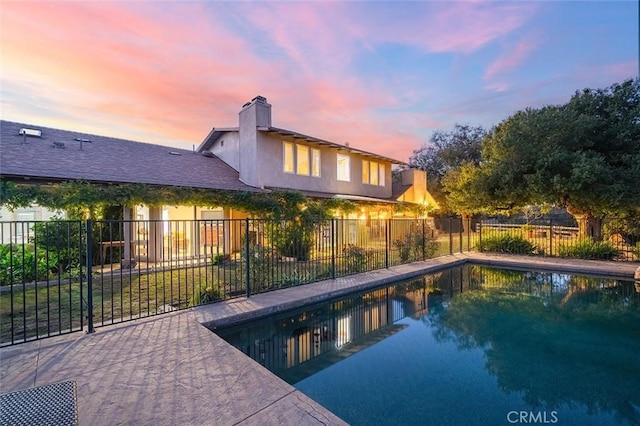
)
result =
(322, 142)
(213, 136)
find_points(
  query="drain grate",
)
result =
(53, 404)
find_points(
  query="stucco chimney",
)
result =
(256, 113)
(415, 177)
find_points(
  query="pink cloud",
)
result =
(607, 74)
(510, 61)
(466, 27)
(156, 75)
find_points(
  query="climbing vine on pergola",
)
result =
(81, 194)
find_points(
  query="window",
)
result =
(302, 153)
(287, 152)
(302, 160)
(315, 162)
(365, 171)
(373, 173)
(344, 167)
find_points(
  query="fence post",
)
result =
(550, 237)
(480, 235)
(469, 233)
(387, 237)
(450, 235)
(334, 241)
(247, 256)
(424, 237)
(460, 233)
(89, 261)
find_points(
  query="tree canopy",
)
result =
(447, 151)
(583, 155)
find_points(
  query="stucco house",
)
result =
(252, 157)
(269, 157)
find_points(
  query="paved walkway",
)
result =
(170, 370)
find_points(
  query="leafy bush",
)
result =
(262, 261)
(220, 259)
(293, 238)
(589, 249)
(354, 258)
(404, 247)
(506, 243)
(296, 277)
(206, 294)
(636, 250)
(62, 239)
(20, 264)
(412, 246)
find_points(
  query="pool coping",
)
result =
(170, 369)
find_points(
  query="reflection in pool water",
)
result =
(472, 345)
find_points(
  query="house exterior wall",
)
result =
(34, 212)
(271, 170)
(417, 193)
(19, 232)
(227, 148)
(258, 156)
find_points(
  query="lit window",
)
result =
(344, 168)
(365, 171)
(300, 159)
(302, 153)
(287, 151)
(373, 173)
(315, 162)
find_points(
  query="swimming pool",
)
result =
(471, 345)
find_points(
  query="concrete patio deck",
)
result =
(171, 370)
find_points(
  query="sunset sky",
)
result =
(379, 75)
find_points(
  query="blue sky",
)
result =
(379, 75)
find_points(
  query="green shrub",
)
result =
(589, 249)
(404, 247)
(220, 259)
(354, 258)
(20, 264)
(206, 294)
(293, 238)
(62, 239)
(413, 246)
(636, 250)
(262, 262)
(296, 277)
(506, 243)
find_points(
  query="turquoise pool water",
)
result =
(469, 346)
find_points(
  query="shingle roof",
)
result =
(398, 189)
(108, 159)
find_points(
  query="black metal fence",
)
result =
(59, 277)
(600, 239)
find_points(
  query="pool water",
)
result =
(468, 346)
